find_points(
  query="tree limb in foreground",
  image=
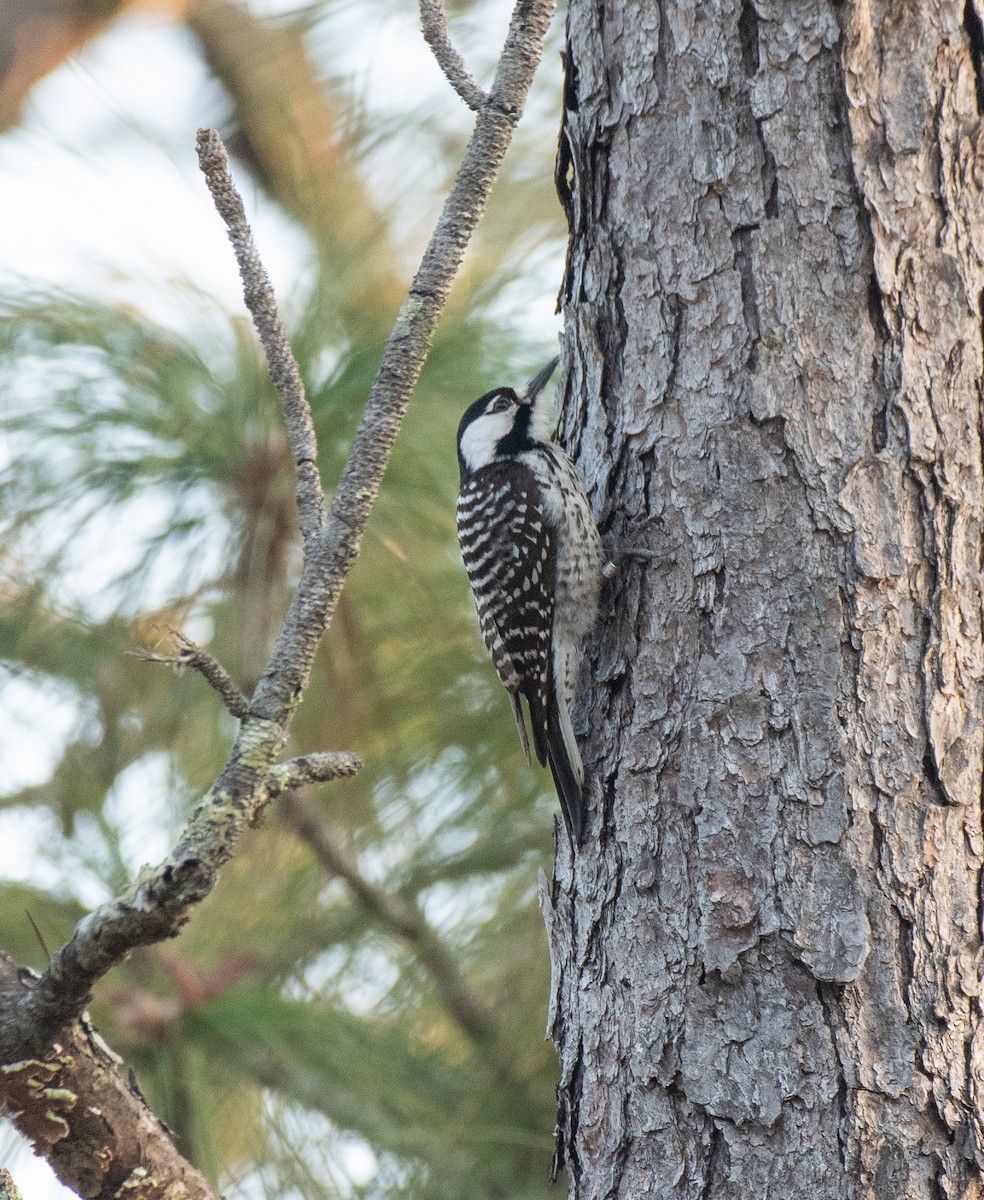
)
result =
(158, 902)
(86, 1119)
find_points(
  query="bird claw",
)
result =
(610, 569)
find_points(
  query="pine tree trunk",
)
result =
(768, 955)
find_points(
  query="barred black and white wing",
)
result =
(533, 555)
(511, 559)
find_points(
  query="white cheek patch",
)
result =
(541, 423)
(479, 440)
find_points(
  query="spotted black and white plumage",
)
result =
(533, 555)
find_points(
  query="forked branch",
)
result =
(160, 900)
(434, 25)
(188, 654)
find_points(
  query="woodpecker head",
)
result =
(503, 423)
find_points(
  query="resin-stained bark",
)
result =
(768, 956)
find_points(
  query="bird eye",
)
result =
(500, 404)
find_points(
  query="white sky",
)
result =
(101, 182)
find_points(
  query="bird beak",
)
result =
(538, 382)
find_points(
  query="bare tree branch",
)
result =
(8, 1189)
(262, 304)
(291, 139)
(207, 665)
(434, 25)
(160, 899)
(81, 1114)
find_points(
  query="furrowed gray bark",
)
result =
(767, 958)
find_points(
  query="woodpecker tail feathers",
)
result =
(566, 768)
(521, 726)
(538, 725)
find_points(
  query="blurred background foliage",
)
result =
(359, 1008)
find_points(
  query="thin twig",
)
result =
(434, 25)
(160, 899)
(262, 304)
(207, 665)
(402, 917)
(37, 933)
(321, 767)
